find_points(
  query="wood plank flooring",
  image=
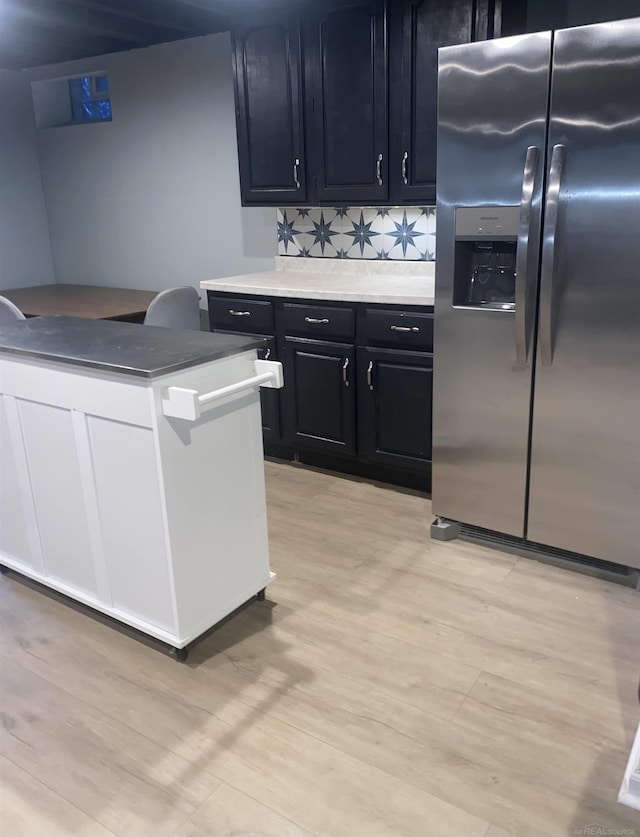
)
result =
(390, 686)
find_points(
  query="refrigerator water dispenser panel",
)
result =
(485, 257)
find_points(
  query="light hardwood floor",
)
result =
(390, 685)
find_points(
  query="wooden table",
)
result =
(94, 302)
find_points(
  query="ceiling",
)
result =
(37, 32)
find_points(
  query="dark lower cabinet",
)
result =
(270, 398)
(319, 395)
(394, 407)
(357, 382)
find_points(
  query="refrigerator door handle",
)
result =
(522, 319)
(547, 306)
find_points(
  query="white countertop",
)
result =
(348, 280)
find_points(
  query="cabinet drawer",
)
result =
(238, 314)
(318, 321)
(267, 351)
(401, 329)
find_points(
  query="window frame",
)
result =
(95, 96)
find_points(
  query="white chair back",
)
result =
(175, 308)
(9, 313)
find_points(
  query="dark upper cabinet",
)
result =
(346, 75)
(394, 407)
(420, 27)
(366, 114)
(320, 395)
(269, 111)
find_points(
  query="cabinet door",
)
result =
(347, 70)
(320, 395)
(426, 25)
(267, 67)
(394, 407)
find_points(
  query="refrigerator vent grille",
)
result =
(573, 560)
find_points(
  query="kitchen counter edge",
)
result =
(378, 289)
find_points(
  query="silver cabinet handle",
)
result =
(345, 366)
(296, 166)
(547, 306)
(379, 169)
(369, 375)
(239, 313)
(315, 320)
(524, 306)
(267, 354)
(405, 329)
(405, 157)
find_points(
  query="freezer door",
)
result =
(585, 463)
(492, 117)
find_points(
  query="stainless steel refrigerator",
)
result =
(537, 316)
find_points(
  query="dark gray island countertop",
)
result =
(124, 348)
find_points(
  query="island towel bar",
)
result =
(187, 404)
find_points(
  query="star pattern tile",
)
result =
(286, 232)
(322, 232)
(400, 232)
(404, 233)
(361, 232)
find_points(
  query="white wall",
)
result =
(25, 253)
(152, 199)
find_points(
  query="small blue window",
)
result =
(90, 100)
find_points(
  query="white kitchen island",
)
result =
(131, 470)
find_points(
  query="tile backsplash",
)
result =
(405, 233)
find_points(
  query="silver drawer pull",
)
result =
(345, 366)
(267, 354)
(239, 313)
(296, 178)
(315, 320)
(369, 376)
(405, 329)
